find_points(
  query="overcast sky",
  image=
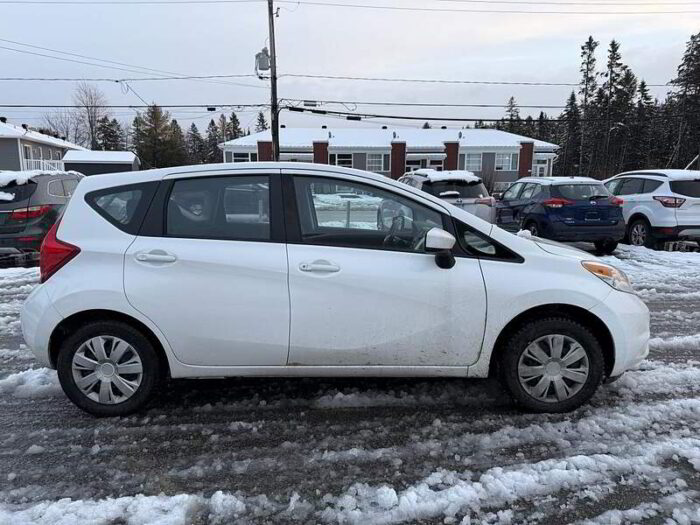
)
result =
(223, 39)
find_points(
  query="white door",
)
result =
(215, 283)
(362, 289)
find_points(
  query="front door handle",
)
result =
(319, 267)
(156, 256)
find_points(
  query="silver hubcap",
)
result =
(107, 369)
(553, 368)
(638, 235)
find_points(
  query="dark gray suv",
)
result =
(30, 203)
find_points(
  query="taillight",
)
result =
(21, 214)
(488, 201)
(670, 202)
(54, 253)
(557, 203)
(617, 201)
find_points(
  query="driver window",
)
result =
(513, 191)
(345, 213)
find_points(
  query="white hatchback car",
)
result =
(262, 270)
(659, 205)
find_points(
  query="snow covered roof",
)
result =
(442, 176)
(100, 157)
(365, 138)
(670, 174)
(22, 177)
(560, 180)
(10, 131)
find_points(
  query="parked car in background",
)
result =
(30, 203)
(458, 187)
(659, 205)
(247, 270)
(564, 209)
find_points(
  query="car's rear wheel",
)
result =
(108, 368)
(605, 247)
(639, 234)
(552, 365)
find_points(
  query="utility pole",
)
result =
(274, 108)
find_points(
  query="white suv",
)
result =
(269, 269)
(659, 205)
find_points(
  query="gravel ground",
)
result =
(365, 451)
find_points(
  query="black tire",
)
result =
(151, 368)
(639, 234)
(605, 247)
(519, 342)
(532, 227)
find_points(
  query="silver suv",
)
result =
(458, 187)
(659, 205)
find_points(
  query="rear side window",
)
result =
(123, 206)
(227, 208)
(688, 188)
(581, 192)
(631, 187)
(69, 186)
(55, 188)
(456, 189)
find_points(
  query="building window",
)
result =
(228, 156)
(507, 161)
(377, 162)
(412, 165)
(436, 165)
(253, 157)
(473, 162)
(241, 157)
(340, 159)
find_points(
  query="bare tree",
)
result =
(67, 123)
(91, 104)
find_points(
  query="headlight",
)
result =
(611, 275)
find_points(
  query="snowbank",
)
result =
(34, 383)
(22, 177)
(340, 201)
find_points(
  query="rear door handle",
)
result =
(319, 267)
(156, 257)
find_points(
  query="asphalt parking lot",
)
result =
(360, 451)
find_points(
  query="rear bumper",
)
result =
(11, 257)
(627, 318)
(560, 231)
(688, 231)
(27, 240)
(39, 318)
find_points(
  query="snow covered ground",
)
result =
(373, 451)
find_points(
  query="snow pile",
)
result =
(4, 196)
(341, 201)
(34, 383)
(679, 342)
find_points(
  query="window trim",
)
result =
(60, 183)
(293, 219)
(462, 252)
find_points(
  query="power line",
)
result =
(128, 67)
(544, 2)
(360, 6)
(109, 106)
(440, 81)
(427, 104)
(135, 79)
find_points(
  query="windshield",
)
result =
(13, 193)
(688, 188)
(456, 189)
(581, 192)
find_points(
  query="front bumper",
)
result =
(39, 318)
(627, 318)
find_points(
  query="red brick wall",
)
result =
(527, 153)
(321, 152)
(264, 151)
(452, 159)
(398, 159)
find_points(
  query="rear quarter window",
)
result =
(688, 188)
(123, 206)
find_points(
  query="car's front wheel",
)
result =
(108, 368)
(552, 365)
(605, 247)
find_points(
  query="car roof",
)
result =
(446, 175)
(663, 174)
(550, 181)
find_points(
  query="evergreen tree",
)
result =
(570, 139)
(151, 132)
(261, 123)
(196, 147)
(109, 135)
(587, 90)
(176, 145)
(426, 125)
(233, 129)
(213, 152)
(512, 123)
(686, 98)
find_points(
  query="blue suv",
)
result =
(565, 209)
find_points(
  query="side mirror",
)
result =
(441, 243)
(498, 196)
